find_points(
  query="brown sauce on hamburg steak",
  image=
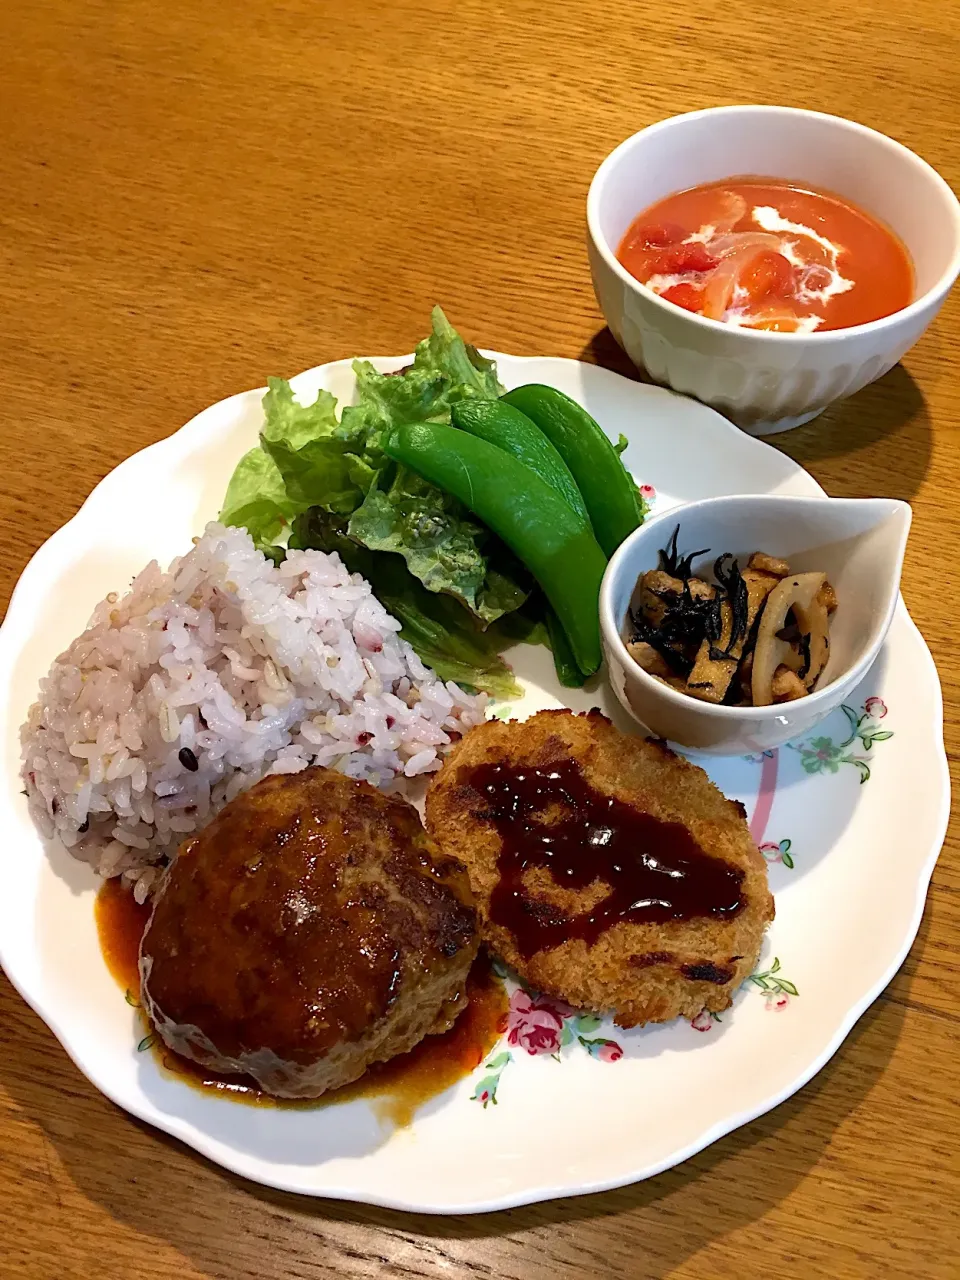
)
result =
(310, 930)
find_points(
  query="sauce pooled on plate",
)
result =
(761, 253)
(395, 1088)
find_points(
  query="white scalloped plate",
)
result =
(847, 911)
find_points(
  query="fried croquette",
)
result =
(579, 815)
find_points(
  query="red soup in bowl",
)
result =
(761, 253)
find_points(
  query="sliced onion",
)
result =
(720, 246)
(730, 209)
(722, 283)
(797, 593)
(778, 316)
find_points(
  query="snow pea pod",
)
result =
(606, 485)
(568, 673)
(512, 431)
(535, 522)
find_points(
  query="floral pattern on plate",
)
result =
(542, 1025)
(823, 755)
(817, 756)
(779, 852)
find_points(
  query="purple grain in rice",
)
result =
(241, 668)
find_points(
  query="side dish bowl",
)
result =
(858, 543)
(764, 381)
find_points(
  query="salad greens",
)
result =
(460, 593)
(448, 574)
(443, 633)
(534, 519)
(442, 545)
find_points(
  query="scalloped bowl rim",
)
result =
(933, 295)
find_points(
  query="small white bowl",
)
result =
(857, 542)
(763, 381)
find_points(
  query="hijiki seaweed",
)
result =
(757, 636)
(731, 587)
(673, 563)
(691, 619)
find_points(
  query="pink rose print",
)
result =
(875, 707)
(702, 1022)
(648, 491)
(777, 1002)
(535, 1025)
(771, 852)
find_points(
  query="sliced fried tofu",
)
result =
(768, 564)
(827, 597)
(646, 657)
(657, 591)
(787, 685)
(700, 590)
(710, 677)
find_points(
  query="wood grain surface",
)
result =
(195, 195)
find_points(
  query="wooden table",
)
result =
(194, 195)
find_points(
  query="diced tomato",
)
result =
(769, 274)
(642, 250)
(679, 259)
(684, 295)
(654, 235)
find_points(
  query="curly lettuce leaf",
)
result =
(321, 460)
(256, 498)
(305, 458)
(441, 545)
(468, 372)
(309, 460)
(293, 423)
(445, 369)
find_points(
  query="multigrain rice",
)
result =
(203, 679)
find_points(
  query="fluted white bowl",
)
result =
(767, 382)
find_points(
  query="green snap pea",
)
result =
(568, 673)
(556, 545)
(607, 488)
(512, 431)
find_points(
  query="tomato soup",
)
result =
(765, 254)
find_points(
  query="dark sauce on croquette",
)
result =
(551, 818)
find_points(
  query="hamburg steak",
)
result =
(309, 931)
(608, 871)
